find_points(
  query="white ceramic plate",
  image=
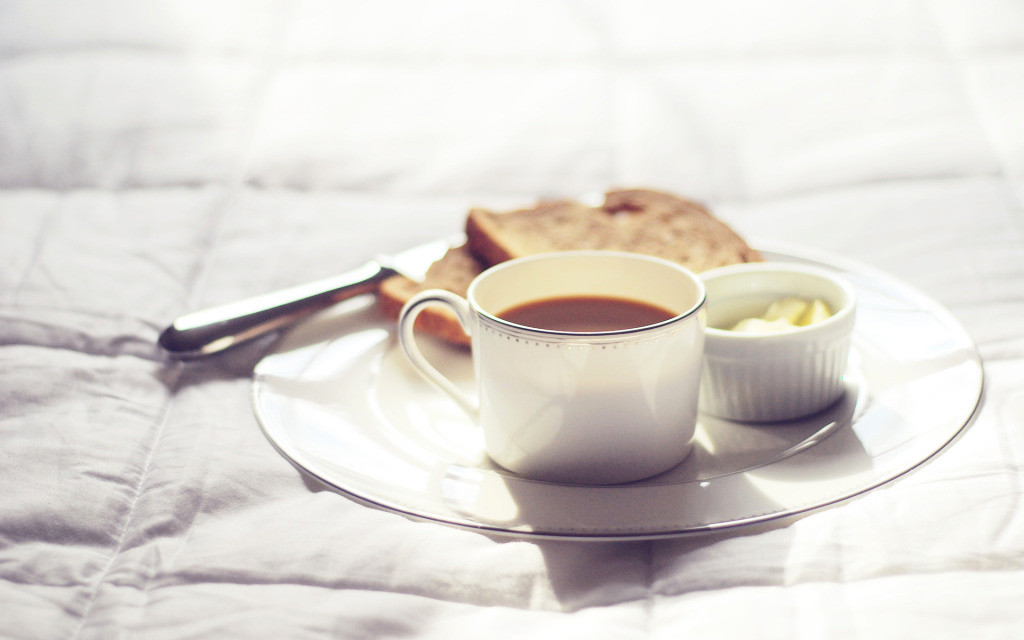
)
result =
(340, 402)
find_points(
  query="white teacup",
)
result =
(578, 407)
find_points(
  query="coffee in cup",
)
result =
(587, 363)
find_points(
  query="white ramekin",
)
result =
(778, 376)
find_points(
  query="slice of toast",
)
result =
(454, 271)
(636, 220)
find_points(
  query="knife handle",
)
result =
(204, 333)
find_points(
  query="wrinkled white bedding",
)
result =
(158, 158)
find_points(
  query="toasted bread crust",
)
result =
(635, 220)
(454, 272)
(549, 226)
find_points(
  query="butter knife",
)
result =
(211, 331)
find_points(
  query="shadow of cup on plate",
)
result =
(715, 487)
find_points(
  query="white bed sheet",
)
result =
(158, 158)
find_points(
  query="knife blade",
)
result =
(204, 333)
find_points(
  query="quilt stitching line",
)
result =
(198, 276)
(37, 249)
(140, 490)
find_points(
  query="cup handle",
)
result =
(407, 338)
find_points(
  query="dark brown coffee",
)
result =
(586, 314)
